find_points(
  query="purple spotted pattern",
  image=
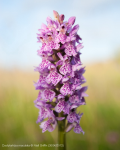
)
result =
(61, 74)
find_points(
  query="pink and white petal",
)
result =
(70, 50)
(71, 20)
(64, 79)
(55, 78)
(44, 126)
(45, 63)
(60, 106)
(51, 127)
(60, 56)
(74, 30)
(66, 68)
(65, 89)
(69, 127)
(60, 96)
(74, 99)
(78, 129)
(74, 106)
(60, 62)
(66, 109)
(79, 46)
(71, 117)
(48, 79)
(84, 94)
(48, 94)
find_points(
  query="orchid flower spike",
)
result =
(61, 75)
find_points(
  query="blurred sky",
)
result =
(20, 20)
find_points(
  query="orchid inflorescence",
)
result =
(61, 74)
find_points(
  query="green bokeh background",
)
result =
(101, 119)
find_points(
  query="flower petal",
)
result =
(66, 68)
(54, 77)
(69, 127)
(78, 129)
(48, 94)
(65, 89)
(71, 117)
(60, 106)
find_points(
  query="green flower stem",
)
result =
(61, 133)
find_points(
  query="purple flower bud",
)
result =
(71, 20)
(61, 18)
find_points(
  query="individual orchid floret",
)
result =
(53, 76)
(75, 119)
(77, 128)
(43, 66)
(48, 94)
(71, 117)
(61, 38)
(74, 99)
(70, 49)
(45, 55)
(50, 46)
(43, 113)
(41, 83)
(49, 125)
(66, 109)
(44, 110)
(66, 89)
(60, 106)
(65, 64)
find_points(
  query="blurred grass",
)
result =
(101, 119)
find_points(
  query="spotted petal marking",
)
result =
(44, 125)
(78, 129)
(54, 77)
(45, 63)
(61, 38)
(60, 106)
(66, 68)
(42, 81)
(71, 117)
(74, 99)
(65, 89)
(43, 113)
(66, 109)
(48, 94)
(70, 50)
